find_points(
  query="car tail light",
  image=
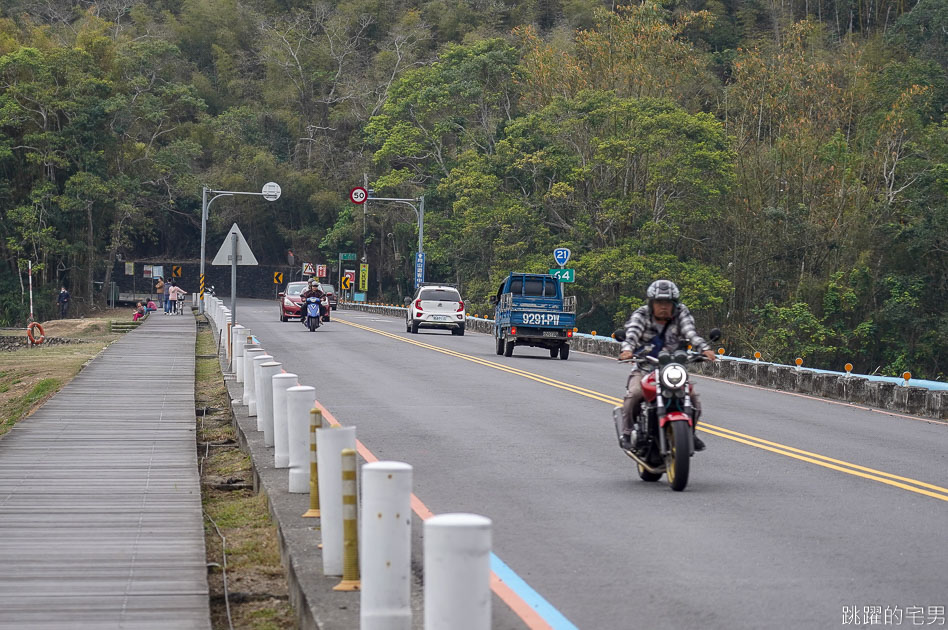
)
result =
(418, 305)
(569, 333)
(460, 306)
(513, 331)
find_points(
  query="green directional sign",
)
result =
(565, 275)
(345, 256)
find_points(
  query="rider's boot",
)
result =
(699, 443)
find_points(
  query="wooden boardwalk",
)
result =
(101, 523)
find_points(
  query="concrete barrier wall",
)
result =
(917, 401)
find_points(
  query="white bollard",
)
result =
(329, 445)
(249, 353)
(254, 404)
(265, 400)
(234, 340)
(299, 400)
(457, 572)
(281, 435)
(240, 344)
(385, 602)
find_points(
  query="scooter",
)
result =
(313, 314)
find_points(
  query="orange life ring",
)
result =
(29, 333)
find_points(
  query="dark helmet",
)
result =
(663, 290)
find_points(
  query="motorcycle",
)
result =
(662, 434)
(313, 312)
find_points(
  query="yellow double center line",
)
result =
(904, 483)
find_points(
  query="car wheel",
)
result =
(414, 327)
(508, 349)
(407, 325)
(283, 316)
(459, 331)
(564, 351)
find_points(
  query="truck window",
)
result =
(533, 287)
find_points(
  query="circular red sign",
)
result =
(358, 195)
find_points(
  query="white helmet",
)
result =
(663, 290)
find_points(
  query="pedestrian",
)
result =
(167, 291)
(139, 312)
(175, 294)
(63, 301)
(160, 290)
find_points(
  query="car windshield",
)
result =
(295, 289)
(327, 288)
(440, 295)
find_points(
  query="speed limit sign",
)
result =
(358, 195)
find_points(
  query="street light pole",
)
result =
(271, 192)
(419, 213)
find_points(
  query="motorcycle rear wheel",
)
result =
(678, 459)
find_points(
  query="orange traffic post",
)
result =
(350, 530)
(315, 422)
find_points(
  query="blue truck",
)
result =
(531, 310)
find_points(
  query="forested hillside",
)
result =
(785, 162)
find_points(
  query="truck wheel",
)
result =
(554, 352)
(564, 351)
(508, 349)
(500, 345)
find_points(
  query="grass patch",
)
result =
(23, 404)
(253, 555)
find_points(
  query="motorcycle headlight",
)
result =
(674, 376)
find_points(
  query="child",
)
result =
(139, 312)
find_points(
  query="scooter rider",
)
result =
(663, 323)
(312, 289)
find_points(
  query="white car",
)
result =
(435, 306)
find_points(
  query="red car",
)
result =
(290, 300)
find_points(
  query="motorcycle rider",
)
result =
(312, 289)
(664, 323)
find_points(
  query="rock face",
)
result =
(885, 395)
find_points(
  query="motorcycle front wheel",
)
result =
(678, 459)
(311, 321)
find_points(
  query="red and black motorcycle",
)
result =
(662, 435)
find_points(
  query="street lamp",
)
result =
(420, 215)
(271, 192)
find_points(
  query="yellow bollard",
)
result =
(315, 422)
(350, 532)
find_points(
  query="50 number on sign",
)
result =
(564, 275)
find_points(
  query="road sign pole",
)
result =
(233, 279)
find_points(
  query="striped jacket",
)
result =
(641, 328)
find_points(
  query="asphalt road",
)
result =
(799, 511)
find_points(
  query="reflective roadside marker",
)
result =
(798, 361)
(907, 376)
(848, 367)
(757, 355)
(721, 351)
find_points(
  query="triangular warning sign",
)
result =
(244, 255)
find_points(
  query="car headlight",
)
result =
(674, 376)
(288, 302)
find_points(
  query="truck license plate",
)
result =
(550, 333)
